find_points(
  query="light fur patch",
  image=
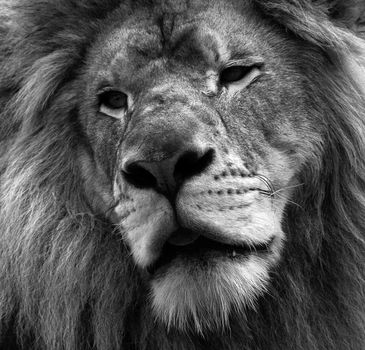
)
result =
(147, 220)
(188, 296)
(355, 66)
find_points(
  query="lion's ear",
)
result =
(350, 13)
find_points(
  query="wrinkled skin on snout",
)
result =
(194, 161)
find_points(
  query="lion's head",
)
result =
(182, 175)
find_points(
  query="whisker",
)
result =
(267, 182)
(286, 188)
(266, 193)
(113, 206)
(289, 201)
(272, 192)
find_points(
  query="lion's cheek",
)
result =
(145, 219)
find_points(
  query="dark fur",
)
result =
(66, 281)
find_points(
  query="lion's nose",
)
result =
(168, 174)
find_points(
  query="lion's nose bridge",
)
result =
(166, 146)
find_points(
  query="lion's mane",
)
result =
(66, 280)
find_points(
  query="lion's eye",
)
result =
(234, 73)
(113, 99)
(113, 103)
(242, 75)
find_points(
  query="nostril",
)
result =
(139, 176)
(192, 163)
(167, 175)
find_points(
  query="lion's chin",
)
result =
(200, 294)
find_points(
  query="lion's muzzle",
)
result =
(183, 191)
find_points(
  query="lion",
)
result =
(182, 174)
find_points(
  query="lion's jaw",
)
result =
(219, 263)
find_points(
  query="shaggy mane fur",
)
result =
(66, 281)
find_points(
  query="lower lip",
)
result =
(204, 253)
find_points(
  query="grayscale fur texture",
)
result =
(67, 282)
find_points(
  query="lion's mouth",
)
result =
(204, 248)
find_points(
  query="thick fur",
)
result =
(67, 281)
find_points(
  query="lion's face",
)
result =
(197, 124)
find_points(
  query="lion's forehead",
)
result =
(197, 36)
